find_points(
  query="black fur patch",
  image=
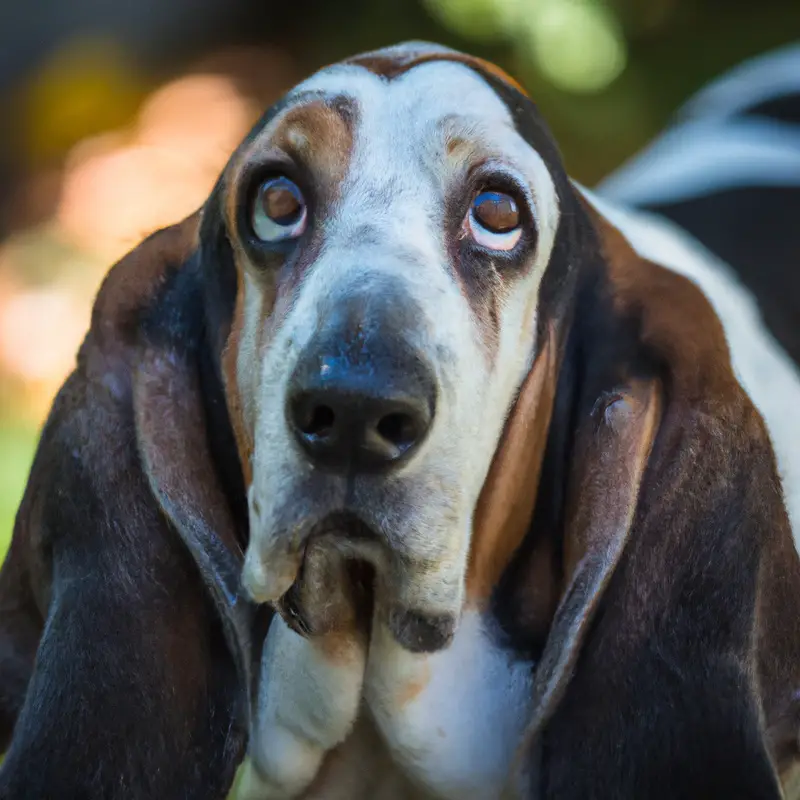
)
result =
(421, 633)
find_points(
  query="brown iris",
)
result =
(279, 210)
(282, 201)
(496, 211)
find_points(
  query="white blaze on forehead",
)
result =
(400, 181)
(401, 125)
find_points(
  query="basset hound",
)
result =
(408, 468)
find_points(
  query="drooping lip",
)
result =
(275, 575)
(265, 579)
(268, 576)
(360, 577)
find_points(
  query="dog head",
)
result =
(391, 228)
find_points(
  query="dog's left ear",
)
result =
(663, 671)
(609, 460)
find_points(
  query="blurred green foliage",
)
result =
(17, 442)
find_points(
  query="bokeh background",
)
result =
(117, 117)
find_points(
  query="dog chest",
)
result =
(451, 720)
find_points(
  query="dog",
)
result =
(409, 468)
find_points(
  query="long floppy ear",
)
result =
(664, 672)
(123, 540)
(172, 431)
(609, 459)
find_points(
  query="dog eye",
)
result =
(494, 220)
(279, 211)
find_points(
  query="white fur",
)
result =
(763, 368)
(452, 719)
(307, 705)
(444, 725)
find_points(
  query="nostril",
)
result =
(318, 422)
(400, 430)
(357, 421)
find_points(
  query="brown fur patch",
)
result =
(395, 64)
(505, 506)
(677, 320)
(342, 647)
(411, 690)
(455, 144)
(319, 135)
(244, 438)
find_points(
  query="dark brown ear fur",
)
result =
(610, 458)
(674, 674)
(123, 571)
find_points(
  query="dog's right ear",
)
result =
(107, 624)
(172, 431)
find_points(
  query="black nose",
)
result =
(364, 415)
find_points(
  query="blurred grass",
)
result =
(17, 445)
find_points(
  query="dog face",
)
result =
(390, 236)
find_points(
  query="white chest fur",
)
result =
(451, 720)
